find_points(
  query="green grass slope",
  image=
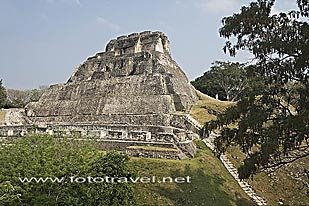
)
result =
(285, 185)
(207, 108)
(211, 183)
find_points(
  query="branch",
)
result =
(278, 164)
(287, 108)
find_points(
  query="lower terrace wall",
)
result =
(148, 153)
(118, 137)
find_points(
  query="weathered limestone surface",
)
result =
(14, 116)
(135, 82)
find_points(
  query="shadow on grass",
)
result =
(203, 190)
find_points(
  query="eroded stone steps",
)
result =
(245, 186)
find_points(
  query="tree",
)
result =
(49, 157)
(122, 194)
(19, 98)
(273, 117)
(226, 80)
(3, 97)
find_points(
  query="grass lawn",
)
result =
(281, 187)
(207, 108)
(211, 184)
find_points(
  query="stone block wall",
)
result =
(132, 91)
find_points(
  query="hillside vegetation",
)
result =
(45, 156)
(211, 183)
(207, 108)
(284, 185)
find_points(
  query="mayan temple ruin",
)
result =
(131, 95)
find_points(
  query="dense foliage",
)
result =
(225, 80)
(273, 117)
(48, 157)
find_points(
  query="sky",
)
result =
(43, 41)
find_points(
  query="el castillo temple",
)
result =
(130, 96)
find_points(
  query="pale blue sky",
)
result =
(42, 41)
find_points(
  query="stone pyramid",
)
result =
(134, 91)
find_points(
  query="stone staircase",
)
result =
(233, 171)
(242, 183)
(193, 122)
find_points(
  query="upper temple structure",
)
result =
(129, 96)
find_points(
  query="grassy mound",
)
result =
(285, 185)
(210, 183)
(207, 108)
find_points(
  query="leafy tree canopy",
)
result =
(225, 80)
(273, 117)
(45, 156)
(19, 98)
